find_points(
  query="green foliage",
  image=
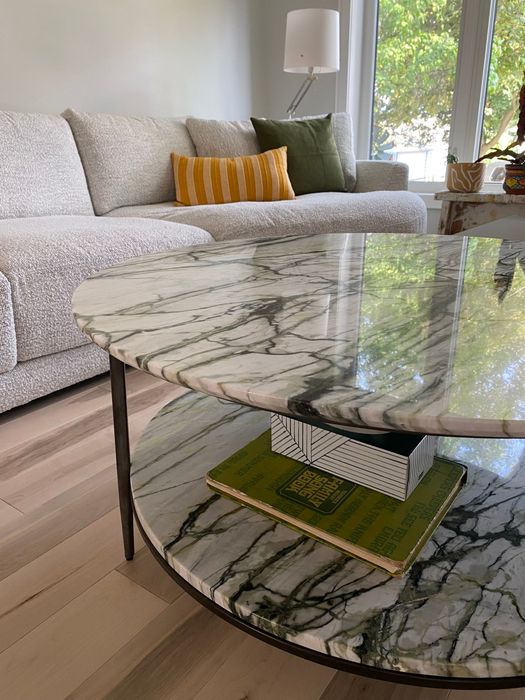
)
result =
(514, 157)
(416, 65)
(505, 76)
(382, 144)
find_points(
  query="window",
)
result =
(416, 56)
(438, 76)
(504, 81)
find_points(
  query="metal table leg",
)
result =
(120, 427)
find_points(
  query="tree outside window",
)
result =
(416, 56)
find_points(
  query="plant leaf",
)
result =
(503, 153)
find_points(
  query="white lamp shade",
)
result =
(312, 41)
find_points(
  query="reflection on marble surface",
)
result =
(511, 257)
(460, 611)
(503, 457)
(387, 331)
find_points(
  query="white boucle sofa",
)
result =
(81, 192)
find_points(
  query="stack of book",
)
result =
(387, 531)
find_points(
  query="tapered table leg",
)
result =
(120, 427)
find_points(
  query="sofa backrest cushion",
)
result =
(40, 169)
(127, 159)
(223, 139)
(227, 139)
(343, 134)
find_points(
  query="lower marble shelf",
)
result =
(459, 612)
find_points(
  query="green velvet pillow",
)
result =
(313, 160)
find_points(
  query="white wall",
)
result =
(274, 89)
(157, 57)
(212, 58)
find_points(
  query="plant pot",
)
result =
(465, 177)
(514, 182)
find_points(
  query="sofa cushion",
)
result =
(396, 212)
(230, 138)
(40, 169)
(7, 327)
(313, 160)
(31, 380)
(223, 139)
(343, 134)
(127, 159)
(45, 259)
(259, 178)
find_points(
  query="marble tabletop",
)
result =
(458, 612)
(389, 331)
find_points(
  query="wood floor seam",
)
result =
(3, 500)
(140, 584)
(24, 456)
(183, 601)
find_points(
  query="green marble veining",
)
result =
(389, 331)
(460, 611)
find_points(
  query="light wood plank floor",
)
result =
(77, 621)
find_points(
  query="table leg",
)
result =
(120, 427)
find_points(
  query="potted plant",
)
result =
(464, 177)
(514, 182)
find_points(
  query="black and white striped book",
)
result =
(391, 463)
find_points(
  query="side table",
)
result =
(462, 211)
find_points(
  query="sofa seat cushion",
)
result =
(45, 259)
(7, 327)
(40, 169)
(127, 159)
(327, 212)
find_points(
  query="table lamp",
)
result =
(311, 47)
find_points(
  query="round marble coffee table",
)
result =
(383, 331)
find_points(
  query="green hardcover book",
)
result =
(378, 529)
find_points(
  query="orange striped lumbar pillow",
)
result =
(259, 178)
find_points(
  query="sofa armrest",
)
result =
(374, 175)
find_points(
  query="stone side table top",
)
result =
(480, 197)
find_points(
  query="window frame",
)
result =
(355, 88)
